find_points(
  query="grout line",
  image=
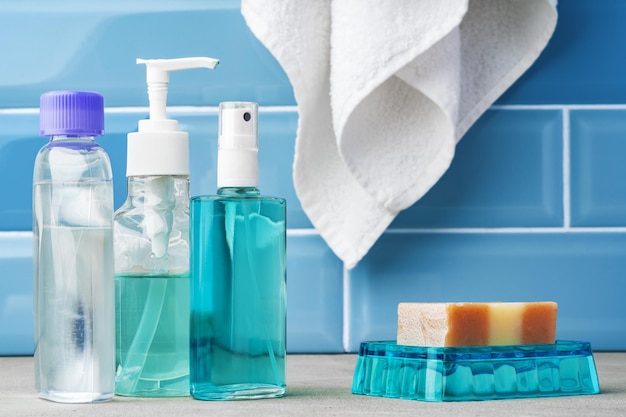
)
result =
(527, 106)
(20, 111)
(558, 107)
(302, 232)
(346, 309)
(11, 234)
(513, 230)
(294, 109)
(566, 171)
(278, 109)
(290, 232)
(170, 109)
(444, 230)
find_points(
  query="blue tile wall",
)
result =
(532, 207)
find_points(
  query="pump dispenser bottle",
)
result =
(151, 242)
(73, 252)
(238, 288)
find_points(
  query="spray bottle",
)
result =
(151, 244)
(238, 273)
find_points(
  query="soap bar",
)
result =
(476, 324)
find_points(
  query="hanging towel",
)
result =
(385, 90)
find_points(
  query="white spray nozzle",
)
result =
(237, 160)
(158, 75)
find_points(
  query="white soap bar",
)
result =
(476, 324)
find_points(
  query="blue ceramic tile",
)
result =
(314, 296)
(507, 172)
(117, 127)
(94, 45)
(16, 294)
(583, 62)
(19, 144)
(598, 172)
(582, 272)
(277, 138)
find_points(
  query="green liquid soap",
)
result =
(238, 304)
(152, 335)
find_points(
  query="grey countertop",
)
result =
(317, 385)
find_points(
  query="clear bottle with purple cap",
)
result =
(73, 267)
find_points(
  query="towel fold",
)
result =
(385, 89)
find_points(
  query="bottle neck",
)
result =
(157, 190)
(74, 142)
(239, 191)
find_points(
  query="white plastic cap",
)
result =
(237, 155)
(158, 147)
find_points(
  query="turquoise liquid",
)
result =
(238, 296)
(152, 335)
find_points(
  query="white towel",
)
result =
(385, 89)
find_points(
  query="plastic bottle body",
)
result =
(73, 271)
(151, 240)
(238, 296)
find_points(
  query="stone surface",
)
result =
(317, 385)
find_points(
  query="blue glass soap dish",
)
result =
(386, 369)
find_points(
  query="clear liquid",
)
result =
(152, 329)
(73, 271)
(238, 311)
(74, 319)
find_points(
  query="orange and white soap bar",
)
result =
(476, 324)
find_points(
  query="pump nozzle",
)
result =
(158, 75)
(158, 147)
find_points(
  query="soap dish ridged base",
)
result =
(386, 369)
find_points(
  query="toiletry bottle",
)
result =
(74, 307)
(151, 244)
(238, 287)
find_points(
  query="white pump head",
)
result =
(159, 148)
(158, 76)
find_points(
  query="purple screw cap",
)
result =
(74, 113)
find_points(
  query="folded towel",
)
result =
(385, 89)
